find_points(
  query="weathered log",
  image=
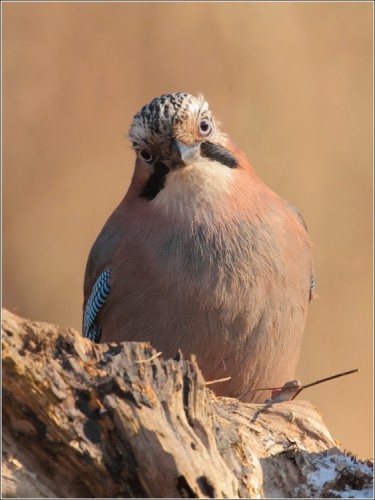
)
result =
(116, 420)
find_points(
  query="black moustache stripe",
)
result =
(156, 181)
(218, 153)
(209, 150)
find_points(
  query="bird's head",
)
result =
(175, 131)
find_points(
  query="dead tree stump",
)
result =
(114, 420)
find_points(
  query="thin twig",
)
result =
(148, 359)
(218, 380)
(308, 385)
(331, 378)
(325, 380)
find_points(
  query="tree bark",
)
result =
(117, 420)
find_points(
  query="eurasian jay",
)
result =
(201, 256)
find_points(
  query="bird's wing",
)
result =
(301, 220)
(99, 294)
(97, 282)
(297, 214)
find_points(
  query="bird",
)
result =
(201, 256)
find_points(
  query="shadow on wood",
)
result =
(114, 420)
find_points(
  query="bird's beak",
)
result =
(183, 154)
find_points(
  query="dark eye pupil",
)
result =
(205, 126)
(146, 155)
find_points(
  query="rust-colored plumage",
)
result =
(201, 256)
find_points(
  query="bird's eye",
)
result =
(205, 126)
(146, 155)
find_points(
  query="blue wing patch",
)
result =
(312, 286)
(98, 296)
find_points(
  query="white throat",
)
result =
(195, 188)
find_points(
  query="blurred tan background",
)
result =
(292, 84)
